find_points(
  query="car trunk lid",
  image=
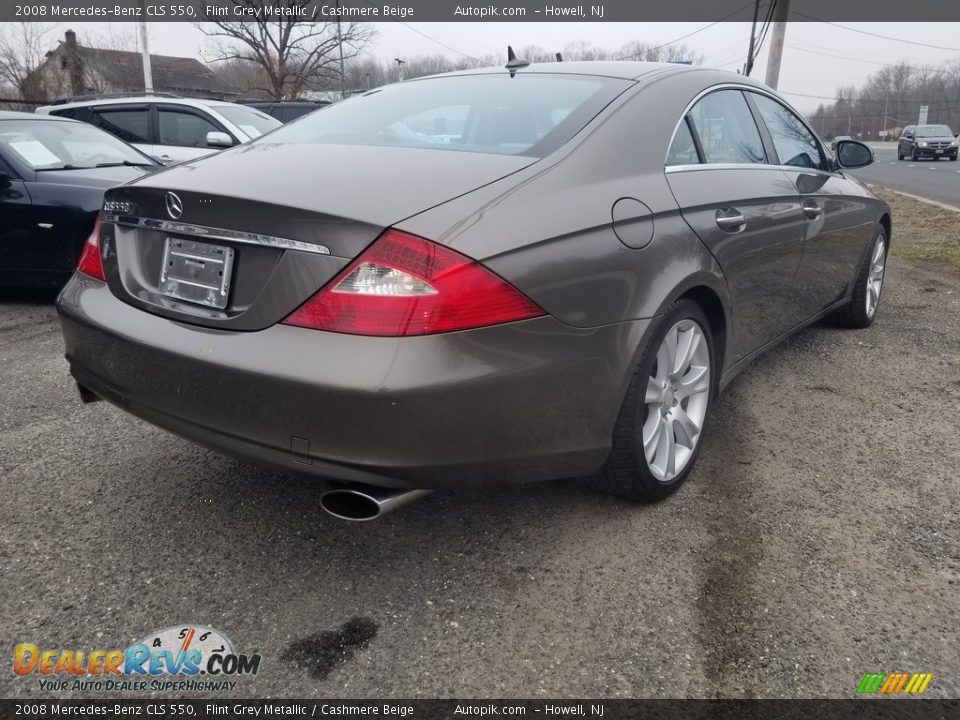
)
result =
(279, 220)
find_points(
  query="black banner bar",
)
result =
(874, 709)
(78, 11)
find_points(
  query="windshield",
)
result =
(65, 145)
(934, 131)
(250, 120)
(523, 115)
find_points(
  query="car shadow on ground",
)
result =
(28, 296)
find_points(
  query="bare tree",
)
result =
(636, 50)
(294, 55)
(242, 76)
(23, 48)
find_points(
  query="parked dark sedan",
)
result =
(932, 141)
(487, 277)
(53, 173)
(286, 110)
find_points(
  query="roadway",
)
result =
(932, 179)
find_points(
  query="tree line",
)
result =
(890, 99)
(279, 59)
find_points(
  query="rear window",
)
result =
(530, 114)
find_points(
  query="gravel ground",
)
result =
(817, 540)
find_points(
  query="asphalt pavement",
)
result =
(931, 179)
(818, 539)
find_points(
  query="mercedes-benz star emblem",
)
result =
(174, 206)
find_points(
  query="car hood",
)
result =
(936, 138)
(105, 177)
(372, 184)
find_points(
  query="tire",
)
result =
(913, 154)
(858, 313)
(953, 158)
(627, 471)
(899, 153)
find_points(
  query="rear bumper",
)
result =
(527, 401)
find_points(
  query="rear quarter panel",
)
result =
(549, 229)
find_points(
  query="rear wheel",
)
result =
(663, 418)
(862, 308)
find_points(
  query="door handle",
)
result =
(812, 210)
(730, 220)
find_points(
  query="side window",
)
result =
(728, 133)
(128, 124)
(79, 113)
(184, 128)
(683, 151)
(795, 145)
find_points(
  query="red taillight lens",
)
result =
(90, 263)
(405, 285)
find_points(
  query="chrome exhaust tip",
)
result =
(362, 503)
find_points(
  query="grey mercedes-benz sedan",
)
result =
(494, 276)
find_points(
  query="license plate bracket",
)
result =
(196, 272)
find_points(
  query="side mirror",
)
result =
(853, 154)
(219, 139)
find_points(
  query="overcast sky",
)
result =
(811, 65)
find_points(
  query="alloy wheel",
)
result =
(677, 398)
(875, 275)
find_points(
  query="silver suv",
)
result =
(170, 129)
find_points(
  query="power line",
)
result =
(870, 55)
(714, 57)
(684, 37)
(855, 101)
(441, 44)
(833, 55)
(877, 35)
(765, 28)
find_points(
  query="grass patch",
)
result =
(923, 234)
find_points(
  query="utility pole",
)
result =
(781, 11)
(145, 48)
(340, 48)
(753, 33)
(886, 102)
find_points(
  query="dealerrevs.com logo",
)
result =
(179, 658)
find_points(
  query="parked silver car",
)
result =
(170, 129)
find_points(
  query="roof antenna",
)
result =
(513, 62)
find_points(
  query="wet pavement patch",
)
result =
(321, 652)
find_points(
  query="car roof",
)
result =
(14, 115)
(625, 69)
(135, 99)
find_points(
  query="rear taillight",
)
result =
(90, 262)
(405, 285)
